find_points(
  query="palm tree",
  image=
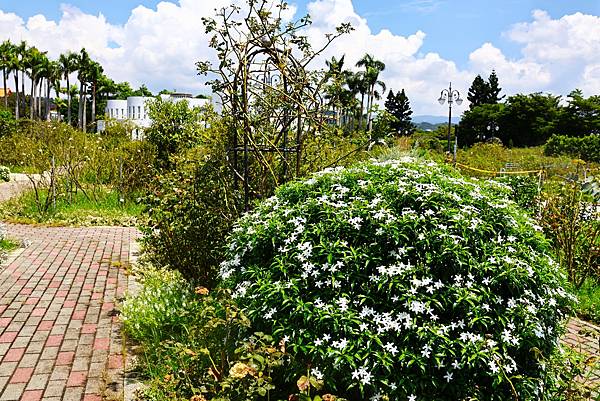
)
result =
(68, 64)
(357, 84)
(6, 54)
(94, 75)
(372, 69)
(22, 53)
(34, 62)
(53, 76)
(83, 65)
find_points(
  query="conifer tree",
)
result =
(398, 106)
(478, 92)
(493, 89)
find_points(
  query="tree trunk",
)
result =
(17, 100)
(39, 98)
(84, 113)
(68, 100)
(48, 87)
(93, 104)
(31, 98)
(369, 114)
(362, 105)
(4, 81)
(23, 91)
(80, 106)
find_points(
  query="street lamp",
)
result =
(493, 128)
(450, 96)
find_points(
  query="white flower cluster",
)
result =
(398, 265)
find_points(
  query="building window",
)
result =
(139, 112)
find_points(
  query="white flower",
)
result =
(426, 351)
(412, 397)
(448, 377)
(317, 373)
(391, 348)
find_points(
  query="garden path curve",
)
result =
(17, 184)
(59, 335)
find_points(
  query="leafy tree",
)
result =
(529, 120)
(142, 91)
(398, 106)
(175, 126)
(474, 122)
(581, 116)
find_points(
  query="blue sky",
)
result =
(454, 28)
(542, 45)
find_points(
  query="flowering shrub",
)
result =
(4, 174)
(400, 279)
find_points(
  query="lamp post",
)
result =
(450, 96)
(493, 128)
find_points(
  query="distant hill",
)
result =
(434, 119)
(423, 126)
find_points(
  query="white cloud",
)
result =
(160, 46)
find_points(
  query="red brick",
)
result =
(39, 312)
(65, 358)
(96, 295)
(77, 379)
(61, 293)
(101, 343)
(32, 395)
(108, 306)
(69, 304)
(8, 337)
(88, 286)
(92, 397)
(54, 341)
(54, 284)
(46, 325)
(26, 291)
(78, 315)
(14, 355)
(32, 300)
(115, 361)
(21, 375)
(5, 321)
(88, 328)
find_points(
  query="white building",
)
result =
(135, 110)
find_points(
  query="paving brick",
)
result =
(55, 328)
(14, 355)
(21, 375)
(55, 388)
(32, 395)
(13, 391)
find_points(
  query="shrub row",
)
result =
(586, 147)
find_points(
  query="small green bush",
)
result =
(403, 279)
(585, 147)
(525, 190)
(4, 174)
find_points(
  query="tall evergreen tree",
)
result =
(478, 92)
(398, 106)
(493, 89)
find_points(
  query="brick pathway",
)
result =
(584, 338)
(59, 336)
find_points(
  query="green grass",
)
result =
(494, 157)
(104, 208)
(8, 245)
(588, 307)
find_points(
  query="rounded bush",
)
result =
(402, 279)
